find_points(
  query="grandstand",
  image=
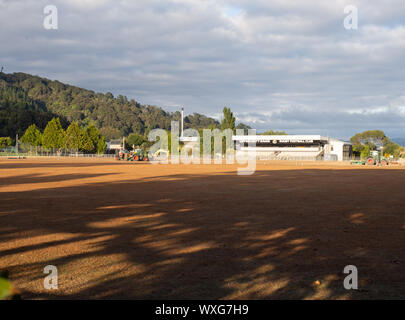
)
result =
(286, 147)
(294, 147)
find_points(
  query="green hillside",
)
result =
(27, 99)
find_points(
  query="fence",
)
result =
(25, 150)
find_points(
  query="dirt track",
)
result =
(140, 231)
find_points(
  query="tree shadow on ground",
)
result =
(24, 165)
(285, 234)
(39, 178)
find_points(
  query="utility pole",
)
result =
(182, 121)
(16, 144)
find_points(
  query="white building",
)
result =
(114, 145)
(287, 147)
(291, 147)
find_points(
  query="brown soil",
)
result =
(140, 231)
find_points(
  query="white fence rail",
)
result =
(54, 155)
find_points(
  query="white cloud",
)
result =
(278, 64)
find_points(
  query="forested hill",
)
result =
(27, 99)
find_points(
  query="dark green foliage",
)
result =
(5, 285)
(243, 127)
(74, 137)
(54, 136)
(372, 139)
(135, 139)
(86, 140)
(198, 121)
(97, 140)
(5, 142)
(391, 148)
(27, 99)
(5, 288)
(86, 144)
(7, 291)
(274, 133)
(101, 145)
(228, 121)
(32, 136)
(18, 111)
(365, 152)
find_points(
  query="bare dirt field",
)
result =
(143, 231)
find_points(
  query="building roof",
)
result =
(307, 138)
(281, 138)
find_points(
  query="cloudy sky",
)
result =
(286, 65)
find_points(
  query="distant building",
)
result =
(286, 147)
(114, 144)
(291, 147)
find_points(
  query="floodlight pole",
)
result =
(182, 121)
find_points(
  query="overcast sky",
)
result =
(285, 65)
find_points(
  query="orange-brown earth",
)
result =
(140, 231)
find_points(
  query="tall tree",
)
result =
(101, 145)
(73, 137)
(5, 142)
(86, 144)
(53, 137)
(96, 138)
(370, 138)
(32, 136)
(135, 140)
(228, 121)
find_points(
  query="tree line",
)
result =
(369, 140)
(74, 138)
(228, 122)
(26, 99)
(18, 111)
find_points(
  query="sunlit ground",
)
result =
(140, 231)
